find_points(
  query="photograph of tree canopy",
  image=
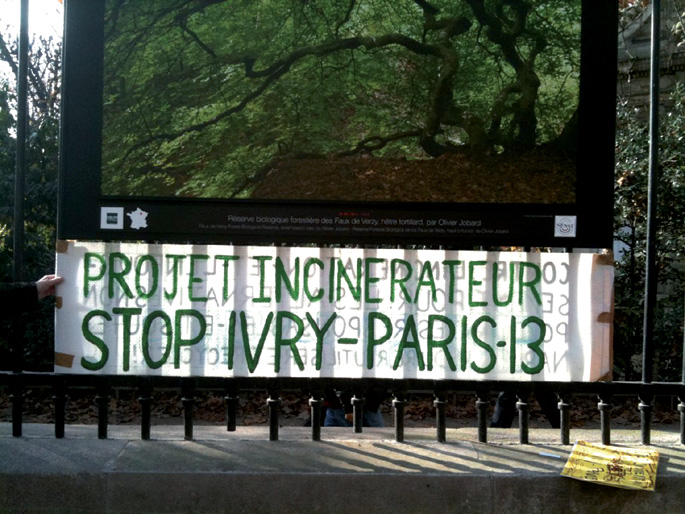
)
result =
(355, 100)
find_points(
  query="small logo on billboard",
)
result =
(112, 218)
(138, 219)
(565, 226)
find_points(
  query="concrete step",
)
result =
(243, 471)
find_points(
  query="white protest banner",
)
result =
(200, 310)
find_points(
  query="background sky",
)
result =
(45, 18)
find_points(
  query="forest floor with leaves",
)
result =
(209, 409)
(534, 177)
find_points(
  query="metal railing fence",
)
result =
(102, 387)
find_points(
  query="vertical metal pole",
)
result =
(399, 403)
(60, 401)
(681, 409)
(20, 170)
(22, 117)
(564, 418)
(650, 272)
(17, 399)
(102, 401)
(231, 401)
(145, 401)
(357, 413)
(482, 405)
(681, 397)
(651, 278)
(316, 405)
(440, 404)
(645, 408)
(188, 401)
(604, 405)
(273, 403)
(524, 415)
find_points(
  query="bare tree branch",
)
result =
(7, 56)
(377, 142)
(505, 33)
(34, 75)
(279, 68)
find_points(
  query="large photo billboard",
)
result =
(455, 122)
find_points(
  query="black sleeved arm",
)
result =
(17, 298)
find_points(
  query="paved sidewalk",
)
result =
(242, 471)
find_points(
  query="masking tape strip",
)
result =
(605, 259)
(62, 246)
(607, 377)
(605, 317)
(64, 360)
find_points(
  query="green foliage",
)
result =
(34, 331)
(7, 159)
(632, 151)
(201, 97)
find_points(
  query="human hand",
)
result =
(46, 286)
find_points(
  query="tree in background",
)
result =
(200, 97)
(35, 331)
(632, 161)
(632, 152)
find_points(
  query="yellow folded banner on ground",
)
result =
(628, 468)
